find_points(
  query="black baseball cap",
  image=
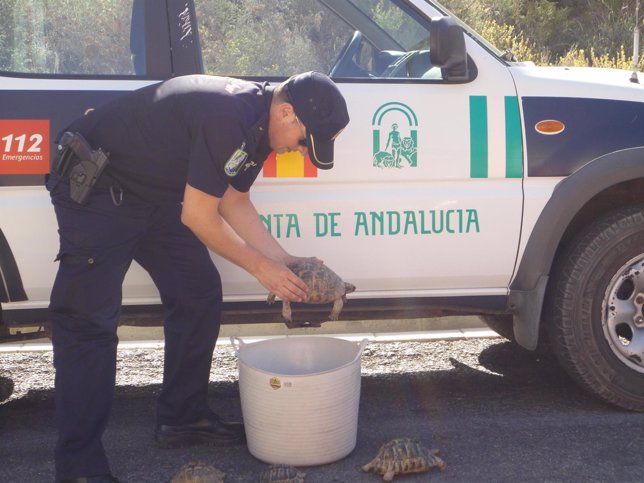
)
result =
(318, 103)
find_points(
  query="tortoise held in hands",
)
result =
(282, 474)
(324, 284)
(403, 456)
(198, 472)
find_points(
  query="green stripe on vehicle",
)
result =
(513, 141)
(478, 137)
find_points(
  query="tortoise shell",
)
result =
(403, 456)
(324, 284)
(198, 472)
(282, 474)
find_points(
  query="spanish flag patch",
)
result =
(289, 165)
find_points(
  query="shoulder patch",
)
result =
(235, 162)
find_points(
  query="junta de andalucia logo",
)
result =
(395, 136)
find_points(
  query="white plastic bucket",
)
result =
(300, 398)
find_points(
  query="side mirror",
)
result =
(447, 48)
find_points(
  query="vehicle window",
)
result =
(259, 38)
(406, 27)
(373, 39)
(69, 37)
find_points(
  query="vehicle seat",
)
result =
(384, 59)
(418, 65)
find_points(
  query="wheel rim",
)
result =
(623, 314)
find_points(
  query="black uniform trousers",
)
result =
(98, 242)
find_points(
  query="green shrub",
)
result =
(595, 33)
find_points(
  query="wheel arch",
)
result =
(612, 180)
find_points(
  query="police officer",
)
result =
(183, 155)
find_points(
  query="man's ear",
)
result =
(282, 113)
(286, 112)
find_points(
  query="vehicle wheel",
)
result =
(11, 289)
(594, 311)
(501, 324)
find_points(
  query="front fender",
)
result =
(528, 288)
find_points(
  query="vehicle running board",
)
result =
(19, 336)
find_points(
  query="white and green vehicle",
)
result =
(465, 183)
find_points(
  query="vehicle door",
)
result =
(425, 196)
(59, 59)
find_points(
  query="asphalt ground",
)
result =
(497, 413)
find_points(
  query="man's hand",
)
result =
(281, 281)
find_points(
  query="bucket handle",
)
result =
(234, 339)
(363, 345)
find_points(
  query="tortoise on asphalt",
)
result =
(198, 472)
(403, 456)
(281, 474)
(325, 286)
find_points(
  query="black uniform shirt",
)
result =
(208, 131)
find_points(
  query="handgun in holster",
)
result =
(80, 164)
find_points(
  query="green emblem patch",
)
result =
(231, 168)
